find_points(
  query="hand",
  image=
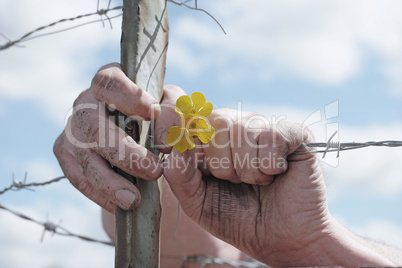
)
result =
(91, 140)
(249, 188)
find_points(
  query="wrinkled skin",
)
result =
(91, 140)
(254, 209)
(272, 212)
(249, 186)
(88, 169)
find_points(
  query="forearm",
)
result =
(342, 247)
(334, 246)
(391, 253)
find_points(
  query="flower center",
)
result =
(193, 125)
(193, 111)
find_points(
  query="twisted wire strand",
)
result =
(350, 145)
(331, 146)
(184, 3)
(17, 185)
(53, 228)
(101, 12)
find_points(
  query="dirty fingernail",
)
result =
(125, 198)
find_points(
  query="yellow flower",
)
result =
(180, 139)
(199, 127)
(193, 113)
(199, 107)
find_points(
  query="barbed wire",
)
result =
(53, 228)
(100, 12)
(184, 3)
(332, 146)
(18, 185)
(28, 36)
(203, 260)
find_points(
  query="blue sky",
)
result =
(288, 57)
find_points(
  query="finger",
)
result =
(112, 86)
(219, 206)
(104, 182)
(185, 181)
(245, 155)
(167, 118)
(218, 153)
(272, 152)
(101, 178)
(277, 143)
(97, 189)
(103, 136)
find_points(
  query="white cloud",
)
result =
(372, 170)
(321, 41)
(21, 245)
(42, 170)
(54, 69)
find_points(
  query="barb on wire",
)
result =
(102, 12)
(54, 228)
(18, 185)
(28, 36)
(184, 3)
(331, 146)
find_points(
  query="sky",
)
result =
(333, 65)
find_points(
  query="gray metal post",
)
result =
(143, 55)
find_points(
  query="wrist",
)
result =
(341, 247)
(334, 245)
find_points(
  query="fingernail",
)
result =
(125, 198)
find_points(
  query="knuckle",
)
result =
(88, 122)
(106, 80)
(83, 157)
(272, 138)
(84, 186)
(82, 100)
(253, 177)
(307, 134)
(100, 83)
(92, 133)
(110, 65)
(224, 173)
(173, 88)
(264, 180)
(221, 123)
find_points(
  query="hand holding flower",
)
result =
(193, 121)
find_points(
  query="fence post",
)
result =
(143, 54)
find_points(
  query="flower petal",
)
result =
(175, 135)
(206, 135)
(206, 110)
(194, 123)
(183, 105)
(186, 143)
(198, 100)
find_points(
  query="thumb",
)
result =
(185, 180)
(168, 117)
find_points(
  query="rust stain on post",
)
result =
(143, 56)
